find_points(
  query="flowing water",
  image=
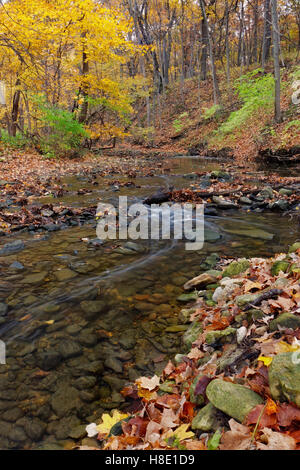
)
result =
(84, 320)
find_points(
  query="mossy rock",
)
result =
(191, 334)
(254, 314)
(206, 419)
(236, 267)
(294, 247)
(284, 377)
(234, 400)
(279, 266)
(220, 335)
(285, 320)
(242, 300)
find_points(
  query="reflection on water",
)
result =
(84, 320)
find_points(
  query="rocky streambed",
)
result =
(81, 318)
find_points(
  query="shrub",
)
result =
(62, 132)
(17, 142)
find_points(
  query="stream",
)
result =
(81, 320)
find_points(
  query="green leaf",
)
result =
(214, 441)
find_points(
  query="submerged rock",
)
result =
(64, 275)
(187, 297)
(48, 360)
(284, 377)
(3, 309)
(12, 247)
(251, 233)
(65, 400)
(92, 307)
(35, 278)
(69, 348)
(235, 400)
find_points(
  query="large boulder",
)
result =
(235, 400)
(284, 377)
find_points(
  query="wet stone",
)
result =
(12, 247)
(35, 278)
(17, 266)
(65, 400)
(73, 329)
(114, 364)
(3, 309)
(78, 432)
(34, 428)
(48, 360)
(64, 275)
(92, 308)
(69, 348)
(86, 338)
(12, 415)
(85, 382)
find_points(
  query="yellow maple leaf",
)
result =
(181, 433)
(266, 360)
(109, 421)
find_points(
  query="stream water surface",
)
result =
(84, 320)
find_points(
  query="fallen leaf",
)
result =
(265, 359)
(149, 384)
(108, 422)
(181, 433)
(238, 438)
(276, 441)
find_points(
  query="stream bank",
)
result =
(237, 386)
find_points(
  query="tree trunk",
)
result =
(216, 89)
(227, 44)
(204, 40)
(276, 51)
(267, 34)
(84, 92)
(15, 110)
